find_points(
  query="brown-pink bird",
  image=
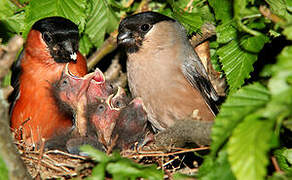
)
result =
(165, 71)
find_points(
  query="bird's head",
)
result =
(60, 36)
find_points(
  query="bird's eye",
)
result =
(101, 108)
(47, 37)
(64, 82)
(145, 27)
(118, 104)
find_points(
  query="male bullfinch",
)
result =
(51, 43)
(165, 71)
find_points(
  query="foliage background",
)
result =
(252, 48)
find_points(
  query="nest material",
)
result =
(55, 164)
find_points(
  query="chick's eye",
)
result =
(100, 108)
(118, 104)
(145, 27)
(65, 82)
(47, 37)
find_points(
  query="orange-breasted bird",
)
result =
(51, 43)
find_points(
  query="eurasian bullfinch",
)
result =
(51, 43)
(165, 71)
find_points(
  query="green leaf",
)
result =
(38, 9)
(288, 155)
(281, 72)
(255, 44)
(10, 17)
(222, 9)
(282, 160)
(245, 101)
(94, 153)
(7, 9)
(192, 21)
(85, 45)
(101, 20)
(98, 172)
(237, 62)
(216, 169)
(288, 32)
(248, 147)
(277, 6)
(15, 23)
(226, 32)
(126, 168)
(3, 170)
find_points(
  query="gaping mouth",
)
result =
(112, 98)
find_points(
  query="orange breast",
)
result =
(35, 112)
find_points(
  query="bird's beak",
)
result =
(125, 38)
(98, 76)
(69, 48)
(82, 81)
(73, 56)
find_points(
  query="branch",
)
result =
(8, 150)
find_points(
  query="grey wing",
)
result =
(196, 74)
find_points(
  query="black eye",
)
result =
(101, 108)
(47, 37)
(145, 27)
(118, 104)
(65, 82)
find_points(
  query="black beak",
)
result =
(68, 46)
(125, 38)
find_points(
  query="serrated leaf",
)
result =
(277, 6)
(38, 9)
(94, 153)
(126, 168)
(226, 32)
(248, 147)
(3, 170)
(15, 23)
(288, 32)
(101, 20)
(192, 21)
(237, 62)
(245, 101)
(281, 159)
(98, 172)
(216, 169)
(255, 44)
(222, 9)
(281, 72)
(7, 9)
(85, 45)
(10, 17)
(288, 155)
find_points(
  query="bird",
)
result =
(51, 43)
(164, 70)
(71, 93)
(131, 125)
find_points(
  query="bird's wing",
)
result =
(195, 73)
(16, 72)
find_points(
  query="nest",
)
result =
(56, 164)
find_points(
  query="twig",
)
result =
(108, 46)
(167, 154)
(110, 43)
(266, 12)
(17, 3)
(276, 165)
